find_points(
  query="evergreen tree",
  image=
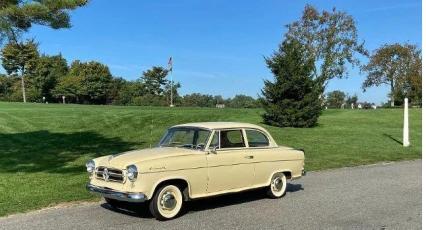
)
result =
(18, 16)
(155, 80)
(292, 98)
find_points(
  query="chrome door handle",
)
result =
(249, 157)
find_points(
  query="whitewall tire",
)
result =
(278, 186)
(166, 202)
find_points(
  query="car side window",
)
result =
(231, 139)
(256, 138)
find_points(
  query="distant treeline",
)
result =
(92, 83)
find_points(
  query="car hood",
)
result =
(125, 159)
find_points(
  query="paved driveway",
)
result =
(383, 196)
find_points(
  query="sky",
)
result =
(218, 46)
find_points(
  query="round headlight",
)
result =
(90, 166)
(132, 172)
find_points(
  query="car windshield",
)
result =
(185, 137)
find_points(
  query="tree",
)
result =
(167, 93)
(414, 80)
(330, 39)
(291, 99)
(351, 99)
(242, 101)
(117, 85)
(20, 59)
(18, 16)
(335, 99)
(88, 82)
(96, 80)
(155, 80)
(219, 99)
(71, 87)
(198, 100)
(398, 66)
(6, 86)
(48, 72)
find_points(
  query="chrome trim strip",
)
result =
(214, 166)
(134, 197)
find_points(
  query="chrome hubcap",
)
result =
(277, 184)
(168, 201)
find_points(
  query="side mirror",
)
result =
(213, 150)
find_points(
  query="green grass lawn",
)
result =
(43, 148)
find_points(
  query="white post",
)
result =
(406, 141)
(23, 89)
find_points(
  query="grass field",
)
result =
(43, 148)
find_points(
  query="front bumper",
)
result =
(133, 197)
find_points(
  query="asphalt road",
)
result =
(383, 196)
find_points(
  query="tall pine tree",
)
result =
(292, 98)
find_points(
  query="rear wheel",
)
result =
(278, 186)
(166, 203)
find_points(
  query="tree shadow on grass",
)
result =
(44, 151)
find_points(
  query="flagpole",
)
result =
(171, 88)
(170, 65)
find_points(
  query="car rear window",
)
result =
(256, 138)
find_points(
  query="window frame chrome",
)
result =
(193, 127)
(228, 129)
(265, 134)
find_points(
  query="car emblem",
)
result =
(105, 174)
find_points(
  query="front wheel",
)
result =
(166, 203)
(278, 186)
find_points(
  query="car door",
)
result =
(230, 165)
(259, 147)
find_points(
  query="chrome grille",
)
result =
(109, 174)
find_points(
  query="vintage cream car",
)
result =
(193, 161)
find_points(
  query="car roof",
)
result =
(220, 125)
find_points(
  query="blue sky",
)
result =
(218, 46)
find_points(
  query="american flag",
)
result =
(170, 64)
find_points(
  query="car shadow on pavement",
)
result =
(234, 198)
(130, 209)
(142, 210)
